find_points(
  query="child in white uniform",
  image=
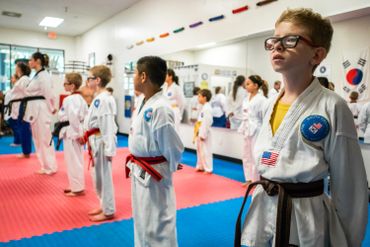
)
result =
(175, 94)
(39, 110)
(73, 110)
(307, 134)
(100, 133)
(235, 102)
(203, 133)
(253, 107)
(155, 149)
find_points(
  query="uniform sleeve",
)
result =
(74, 121)
(19, 87)
(166, 137)
(108, 127)
(205, 127)
(180, 98)
(363, 118)
(348, 177)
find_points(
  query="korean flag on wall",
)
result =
(356, 74)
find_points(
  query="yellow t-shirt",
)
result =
(278, 115)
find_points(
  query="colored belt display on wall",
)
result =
(198, 23)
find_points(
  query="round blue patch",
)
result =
(315, 128)
(148, 114)
(96, 103)
(169, 94)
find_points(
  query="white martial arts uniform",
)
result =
(153, 134)
(218, 104)
(39, 114)
(204, 148)
(19, 92)
(316, 138)
(195, 108)
(74, 110)
(364, 122)
(251, 124)
(101, 115)
(235, 107)
(175, 95)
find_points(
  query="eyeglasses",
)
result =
(91, 78)
(289, 41)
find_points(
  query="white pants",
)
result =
(249, 166)
(103, 181)
(235, 123)
(74, 159)
(204, 154)
(154, 209)
(41, 135)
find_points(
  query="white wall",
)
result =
(35, 39)
(150, 18)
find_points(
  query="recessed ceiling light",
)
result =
(206, 45)
(51, 22)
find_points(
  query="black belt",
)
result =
(58, 126)
(285, 193)
(23, 104)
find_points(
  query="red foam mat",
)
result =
(33, 204)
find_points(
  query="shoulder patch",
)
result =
(148, 114)
(315, 128)
(97, 103)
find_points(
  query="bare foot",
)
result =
(247, 183)
(21, 156)
(95, 211)
(199, 170)
(73, 194)
(101, 217)
(208, 173)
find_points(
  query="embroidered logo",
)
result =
(96, 103)
(315, 128)
(201, 114)
(169, 94)
(148, 114)
(62, 109)
(269, 158)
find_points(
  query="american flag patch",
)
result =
(269, 158)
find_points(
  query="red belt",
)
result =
(87, 134)
(146, 163)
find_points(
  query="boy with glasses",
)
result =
(307, 134)
(100, 135)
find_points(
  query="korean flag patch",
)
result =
(315, 128)
(148, 114)
(96, 103)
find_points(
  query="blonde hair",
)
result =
(103, 72)
(74, 78)
(318, 29)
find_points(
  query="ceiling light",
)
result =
(206, 45)
(51, 22)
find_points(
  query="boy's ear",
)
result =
(143, 77)
(319, 55)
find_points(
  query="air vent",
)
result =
(11, 14)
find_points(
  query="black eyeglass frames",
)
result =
(289, 41)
